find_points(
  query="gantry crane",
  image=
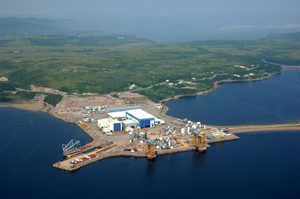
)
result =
(199, 141)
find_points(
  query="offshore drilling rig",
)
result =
(199, 141)
(150, 147)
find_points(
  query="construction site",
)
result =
(139, 130)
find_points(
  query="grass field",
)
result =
(103, 64)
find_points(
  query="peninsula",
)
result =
(85, 84)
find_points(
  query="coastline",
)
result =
(217, 85)
(37, 106)
(31, 106)
(44, 107)
(253, 128)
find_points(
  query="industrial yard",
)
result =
(132, 128)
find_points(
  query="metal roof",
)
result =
(140, 114)
(119, 114)
(129, 122)
(123, 108)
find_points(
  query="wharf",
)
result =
(88, 131)
(176, 150)
(120, 141)
(226, 138)
(108, 152)
(101, 154)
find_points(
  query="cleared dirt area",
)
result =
(3, 79)
(130, 95)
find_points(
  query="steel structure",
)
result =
(150, 147)
(199, 141)
(72, 146)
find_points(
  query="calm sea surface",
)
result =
(273, 101)
(259, 165)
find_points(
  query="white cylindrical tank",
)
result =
(204, 126)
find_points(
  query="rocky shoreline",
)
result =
(217, 85)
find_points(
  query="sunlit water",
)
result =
(259, 165)
(271, 101)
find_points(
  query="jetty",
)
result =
(154, 134)
(78, 161)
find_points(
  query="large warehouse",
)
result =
(121, 119)
(142, 118)
(117, 115)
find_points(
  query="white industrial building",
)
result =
(143, 118)
(117, 115)
(129, 123)
(132, 118)
(108, 125)
(220, 132)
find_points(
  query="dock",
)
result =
(226, 138)
(143, 143)
(107, 152)
(94, 156)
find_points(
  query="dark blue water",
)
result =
(111, 53)
(259, 165)
(271, 101)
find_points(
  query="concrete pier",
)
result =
(108, 152)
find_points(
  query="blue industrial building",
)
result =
(142, 118)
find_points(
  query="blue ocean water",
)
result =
(271, 101)
(259, 165)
